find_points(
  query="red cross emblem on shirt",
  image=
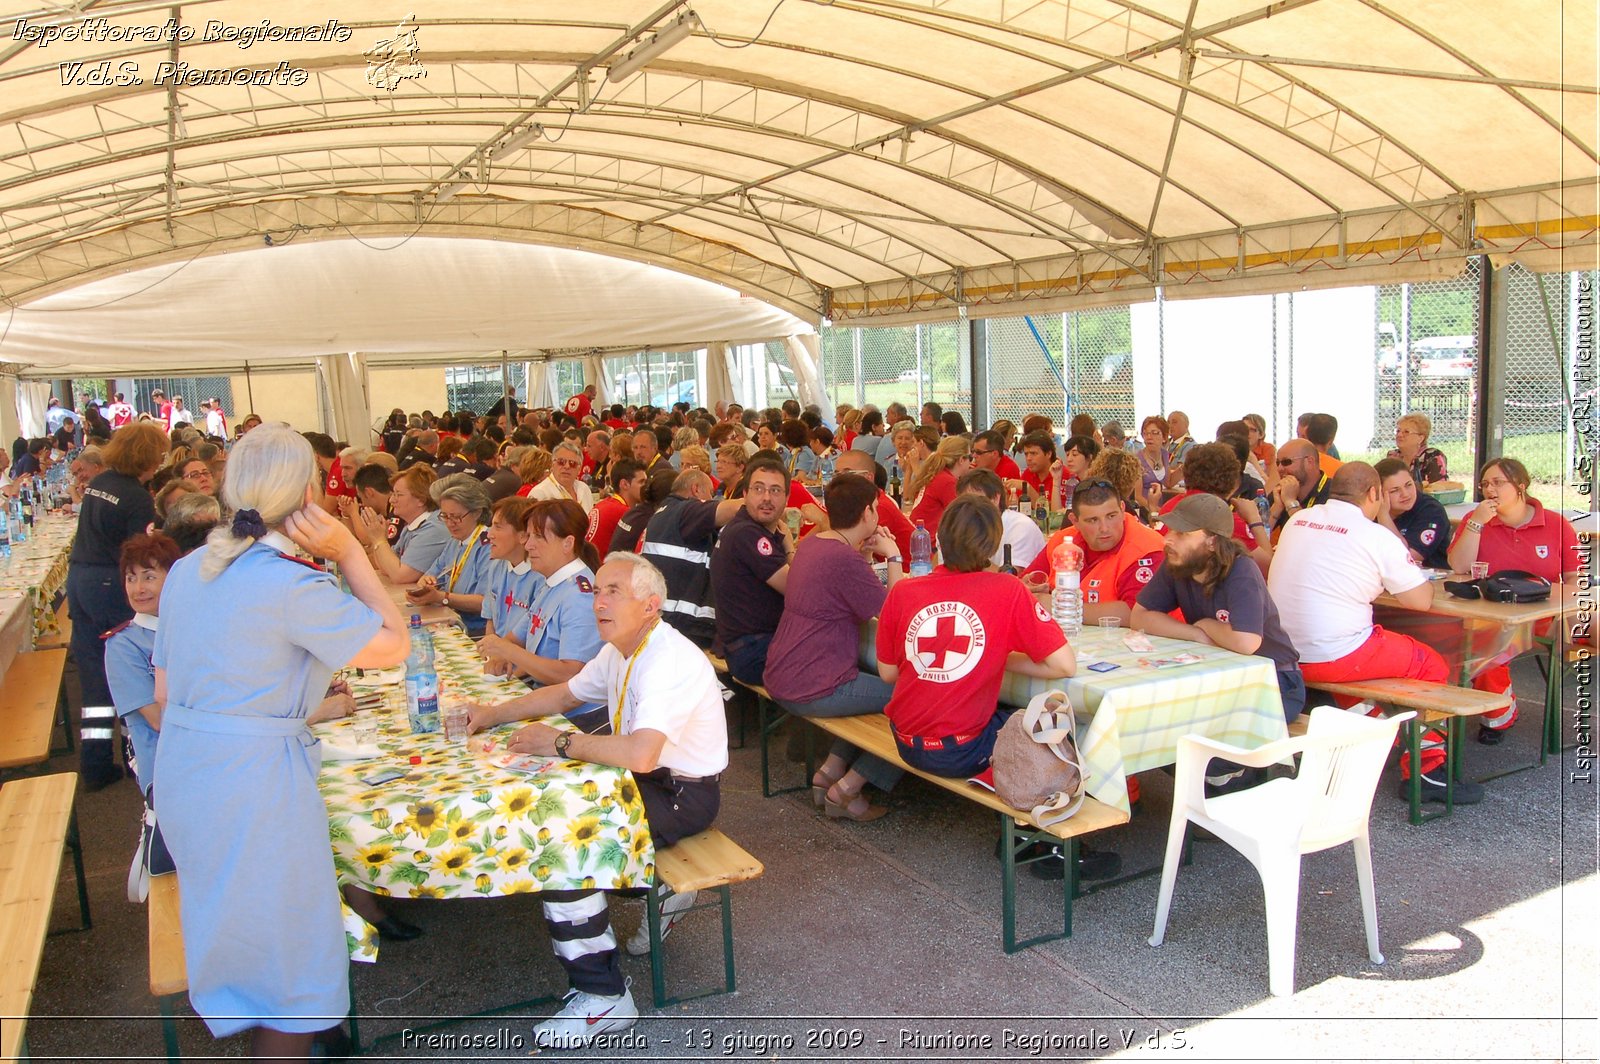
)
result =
(943, 641)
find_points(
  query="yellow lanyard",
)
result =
(472, 544)
(622, 696)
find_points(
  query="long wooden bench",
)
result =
(61, 638)
(1435, 703)
(31, 704)
(169, 972)
(709, 861)
(1019, 829)
(36, 822)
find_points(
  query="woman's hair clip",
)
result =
(248, 524)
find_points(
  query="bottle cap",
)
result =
(416, 759)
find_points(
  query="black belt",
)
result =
(681, 778)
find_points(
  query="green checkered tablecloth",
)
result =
(38, 568)
(458, 825)
(1131, 717)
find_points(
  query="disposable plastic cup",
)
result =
(1480, 570)
(455, 722)
(365, 731)
(1111, 622)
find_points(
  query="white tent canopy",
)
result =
(395, 300)
(863, 160)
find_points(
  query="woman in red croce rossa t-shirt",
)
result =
(944, 641)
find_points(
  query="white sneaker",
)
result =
(583, 1018)
(672, 910)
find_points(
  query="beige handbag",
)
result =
(1036, 762)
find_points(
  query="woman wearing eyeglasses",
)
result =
(566, 463)
(423, 537)
(1510, 529)
(197, 474)
(461, 572)
(1427, 464)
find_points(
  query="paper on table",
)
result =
(379, 677)
(341, 747)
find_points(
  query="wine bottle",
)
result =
(1005, 564)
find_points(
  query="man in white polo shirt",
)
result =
(1331, 562)
(668, 729)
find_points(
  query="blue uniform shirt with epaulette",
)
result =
(422, 541)
(473, 576)
(132, 678)
(508, 595)
(562, 627)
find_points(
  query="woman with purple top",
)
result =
(813, 665)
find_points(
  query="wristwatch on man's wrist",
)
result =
(447, 599)
(563, 741)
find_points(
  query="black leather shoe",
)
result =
(1490, 737)
(1467, 792)
(1092, 864)
(393, 930)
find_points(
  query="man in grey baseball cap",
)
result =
(1220, 593)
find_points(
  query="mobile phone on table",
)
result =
(386, 776)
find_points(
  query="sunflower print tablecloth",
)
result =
(459, 824)
(38, 568)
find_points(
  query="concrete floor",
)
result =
(882, 942)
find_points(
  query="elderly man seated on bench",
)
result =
(1331, 562)
(668, 729)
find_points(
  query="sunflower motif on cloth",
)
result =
(422, 819)
(456, 861)
(376, 856)
(516, 803)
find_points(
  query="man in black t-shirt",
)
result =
(1223, 603)
(750, 569)
(678, 538)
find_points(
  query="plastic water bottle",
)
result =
(5, 533)
(1066, 600)
(422, 682)
(19, 530)
(921, 551)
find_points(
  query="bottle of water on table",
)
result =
(921, 551)
(19, 531)
(5, 533)
(1066, 598)
(422, 682)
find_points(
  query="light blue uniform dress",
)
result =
(132, 678)
(508, 596)
(811, 464)
(421, 542)
(561, 626)
(240, 809)
(473, 576)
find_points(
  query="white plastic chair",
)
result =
(1326, 803)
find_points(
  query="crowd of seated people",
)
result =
(772, 537)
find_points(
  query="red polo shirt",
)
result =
(603, 522)
(1546, 546)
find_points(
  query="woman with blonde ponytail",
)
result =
(933, 486)
(241, 812)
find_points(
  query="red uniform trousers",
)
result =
(1387, 655)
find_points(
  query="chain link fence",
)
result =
(477, 388)
(1549, 378)
(194, 390)
(1427, 345)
